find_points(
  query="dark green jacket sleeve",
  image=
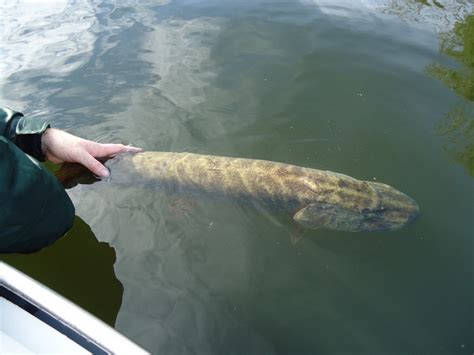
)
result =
(24, 132)
(35, 210)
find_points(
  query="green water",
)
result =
(379, 90)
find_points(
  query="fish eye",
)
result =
(365, 211)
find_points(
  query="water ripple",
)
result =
(54, 37)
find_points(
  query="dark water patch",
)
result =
(80, 268)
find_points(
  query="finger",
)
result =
(94, 165)
(106, 150)
(132, 149)
(125, 148)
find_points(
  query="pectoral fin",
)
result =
(325, 215)
(314, 215)
(297, 233)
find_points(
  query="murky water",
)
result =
(347, 86)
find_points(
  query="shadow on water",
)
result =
(80, 268)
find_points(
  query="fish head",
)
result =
(393, 210)
(390, 210)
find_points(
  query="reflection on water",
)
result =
(454, 22)
(458, 44)
(48, 36)
(441, 15)
(458, 126)
(338, 85)
(80, 268)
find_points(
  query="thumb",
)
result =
(94, 165)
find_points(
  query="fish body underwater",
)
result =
(313, 198)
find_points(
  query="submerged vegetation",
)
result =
(458, 125)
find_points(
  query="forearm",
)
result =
(34, 137)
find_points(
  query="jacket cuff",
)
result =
(27, 133)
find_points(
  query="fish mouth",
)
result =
(394, 209)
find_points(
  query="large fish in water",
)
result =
(313, 198)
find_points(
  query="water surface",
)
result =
(336, 85)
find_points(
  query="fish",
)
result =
(314, 199)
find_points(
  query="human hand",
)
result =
(59, 147)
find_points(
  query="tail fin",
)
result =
(71, 174)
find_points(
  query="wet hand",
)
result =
(59, 147)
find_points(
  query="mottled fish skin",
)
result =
(314, 198)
